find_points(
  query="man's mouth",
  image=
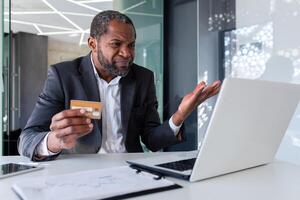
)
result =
(122, 64)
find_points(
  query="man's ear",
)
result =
(92, 42)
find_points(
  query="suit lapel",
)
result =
(127, 97)
(88, 79)
(89, 82)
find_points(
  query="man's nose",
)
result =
(125, 52)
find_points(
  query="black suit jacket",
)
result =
(76, 80)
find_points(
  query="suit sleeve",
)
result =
(50, 102)
(156, 135)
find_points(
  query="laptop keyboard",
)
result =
(181, 165)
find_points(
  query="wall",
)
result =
(31, 63)
(59, 51)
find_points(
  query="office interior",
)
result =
(182, 41)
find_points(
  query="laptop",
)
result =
(246, 127)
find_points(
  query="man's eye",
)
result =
(132, 45)
(115, 44)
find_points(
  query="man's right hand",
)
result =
(66, 127)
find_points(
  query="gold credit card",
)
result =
(93, 108)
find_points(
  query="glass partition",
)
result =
(267, 46)
(147, 17)
(245, 40)
(1, 77)
(214, 18)
(6, 61)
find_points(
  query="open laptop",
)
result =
(246, 127)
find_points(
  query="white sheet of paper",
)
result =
(94, 184)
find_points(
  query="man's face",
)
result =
(115, 49)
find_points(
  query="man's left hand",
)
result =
(194, 99)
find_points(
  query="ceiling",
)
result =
(65, 20)
(69, 20)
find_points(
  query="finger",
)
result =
(69, 141)
(69, 122)
(83, 134)
(74, 130)
(215, 90)
(210, 89)
(68, 114)
(199, 88)
(216, 84)
(209, 92)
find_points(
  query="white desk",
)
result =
(277, 180)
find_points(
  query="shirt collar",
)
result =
(112, 82)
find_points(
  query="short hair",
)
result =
(101, 21)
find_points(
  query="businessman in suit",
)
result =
(127, 91)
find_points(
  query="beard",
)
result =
(112, 67)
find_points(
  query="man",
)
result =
(126, 90)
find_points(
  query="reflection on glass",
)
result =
(205, 108)
(221, 15)
(266, 45)
(247, 50)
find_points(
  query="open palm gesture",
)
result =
(194, 99)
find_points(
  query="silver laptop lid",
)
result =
(249, 120)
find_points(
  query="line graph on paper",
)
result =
(89, 182)
(94, 184)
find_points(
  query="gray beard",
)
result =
(111, 68)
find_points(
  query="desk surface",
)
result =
(278, 180)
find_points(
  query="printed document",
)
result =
(93, 184)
